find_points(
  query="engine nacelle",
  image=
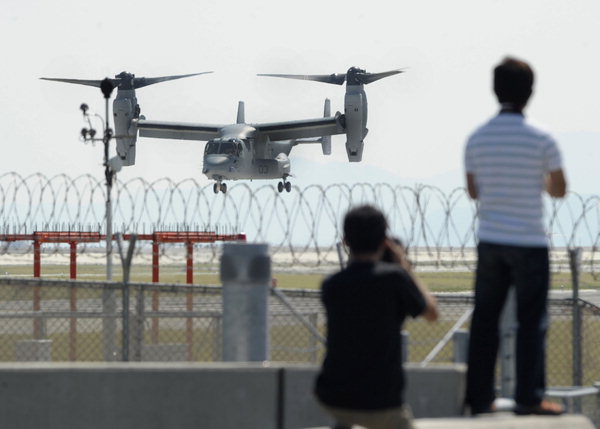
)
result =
(125, 109)
(355, 109)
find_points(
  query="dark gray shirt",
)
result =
(366, 304)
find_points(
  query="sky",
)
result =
(418, 120)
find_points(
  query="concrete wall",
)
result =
(183, 395)
(508, 421)
(503, 421)
(148, 396)
(435, 391)
(300, 409)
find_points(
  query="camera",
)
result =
(388, 256)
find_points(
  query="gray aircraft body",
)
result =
(243, 151)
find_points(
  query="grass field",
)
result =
(438, 281)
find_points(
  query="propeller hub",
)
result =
(125, 80)
(107, 86)
(356, 76)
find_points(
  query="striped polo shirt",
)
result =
(509, 159)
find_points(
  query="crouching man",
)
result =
(362, 380)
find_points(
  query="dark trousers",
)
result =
(498, 268)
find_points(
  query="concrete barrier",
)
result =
(33, 351)
(508, 421)
(220, 396)
(299, 406)
(140, 395)
(436, 390)
(164, 352)
(502, 421)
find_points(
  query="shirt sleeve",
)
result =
(552, 156)
(412, 299)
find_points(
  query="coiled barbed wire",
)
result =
(302, 227)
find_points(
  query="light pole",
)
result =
(107, 87)
(111, 166)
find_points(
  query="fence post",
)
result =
(575, 265)
(461, 345)
(73, 323)
(246, 278)
(37, 292)
(155, 294)
(138, 336)
(217, 343)
(313, 344)
(405, 346)
(189, 300)
(73, 302)
(126, 263)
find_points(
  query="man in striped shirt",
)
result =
(509, 163)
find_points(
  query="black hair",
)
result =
(513, 82)
(365, 229)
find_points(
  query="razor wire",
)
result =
(302, 228)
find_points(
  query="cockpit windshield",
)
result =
(211, 148)
(228, 148)
(223, 148)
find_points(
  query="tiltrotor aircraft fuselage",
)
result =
(244, 151)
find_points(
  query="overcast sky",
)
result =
(418, 120)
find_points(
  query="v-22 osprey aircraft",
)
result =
(244, 151)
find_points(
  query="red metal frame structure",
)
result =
(158, 237)
(73, 238)
(189, 238)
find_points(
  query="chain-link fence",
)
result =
(83, 321)
(56, 320)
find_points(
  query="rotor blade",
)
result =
(124, 80)
(372, 77)
(140, 82)
(336, 79)
(95, 83)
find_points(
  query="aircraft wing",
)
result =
(302, 129)
(178, 130)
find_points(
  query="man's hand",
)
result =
(399, 256)
(471, 187)
(556, 184)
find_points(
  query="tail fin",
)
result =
(241, 114)
(326, 140)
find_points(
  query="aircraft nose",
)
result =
(216, 160)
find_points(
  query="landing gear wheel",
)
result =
(216, 188)
(224, 188)
(288, 186)
(280, 186)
